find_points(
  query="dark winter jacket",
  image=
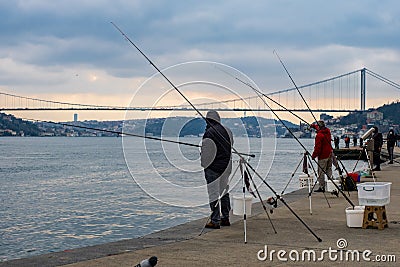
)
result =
(378, 141)
(391, 139)
(322, 147)
(216, 149)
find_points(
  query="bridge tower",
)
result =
(363, 89)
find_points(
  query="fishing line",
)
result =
(173, 85)
(129, 134)
(295, 85)
(291, 132)
(269, 98)
(305, 102)
(220, 135)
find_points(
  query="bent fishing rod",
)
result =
(292, 134)
(127, 134)
(219, 134)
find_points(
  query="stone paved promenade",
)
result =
(181, 245)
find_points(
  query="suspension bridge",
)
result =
(342, 93)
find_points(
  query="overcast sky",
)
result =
(67, 50)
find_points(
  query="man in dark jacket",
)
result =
(378, 142)
(391, 142)
(216, 159)
(323, 151)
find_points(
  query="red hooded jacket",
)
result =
(322, 147)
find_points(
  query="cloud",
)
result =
(44, 44)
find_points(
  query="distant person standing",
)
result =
(355, 140)
(216, 159)
(347, 141)
(378, 142)
(369, 146)
(323, 151)
(336, 140)
(391, 141)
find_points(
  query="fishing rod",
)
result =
(297, 88)
(174, 86)
(305, 149)
(301, 144)
(305, 102)
(128, 134)
(265, 95)
(286, 109)
(219, 134)
(186, 99)
(309, 109)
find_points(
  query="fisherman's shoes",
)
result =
(212, 225)
(225, 222)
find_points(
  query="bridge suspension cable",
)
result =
(383, 79)
(336, 94)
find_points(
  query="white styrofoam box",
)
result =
(238, 205)
(304, 180)
(354, 217)
(373, 193)
(330, 187)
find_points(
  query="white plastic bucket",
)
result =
(354, 217)
(304, 180)
(238, 205)
(330, 187)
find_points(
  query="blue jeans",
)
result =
(217, 184)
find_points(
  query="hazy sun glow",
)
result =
(93, 78)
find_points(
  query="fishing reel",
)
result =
(273, 202)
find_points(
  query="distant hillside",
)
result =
(187, 126)
(358, 118)
(390, 114)
(171, 126)
(11, 126)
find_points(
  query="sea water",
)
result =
(59, 193)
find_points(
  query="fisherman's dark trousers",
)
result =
(217, 184)
(390, 150)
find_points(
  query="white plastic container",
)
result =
(304, 180)
(330, 187)
(238, 207)
(373, 193)
(354, 217)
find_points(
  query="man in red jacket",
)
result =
(323, 151)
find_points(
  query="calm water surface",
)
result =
(62, 193)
